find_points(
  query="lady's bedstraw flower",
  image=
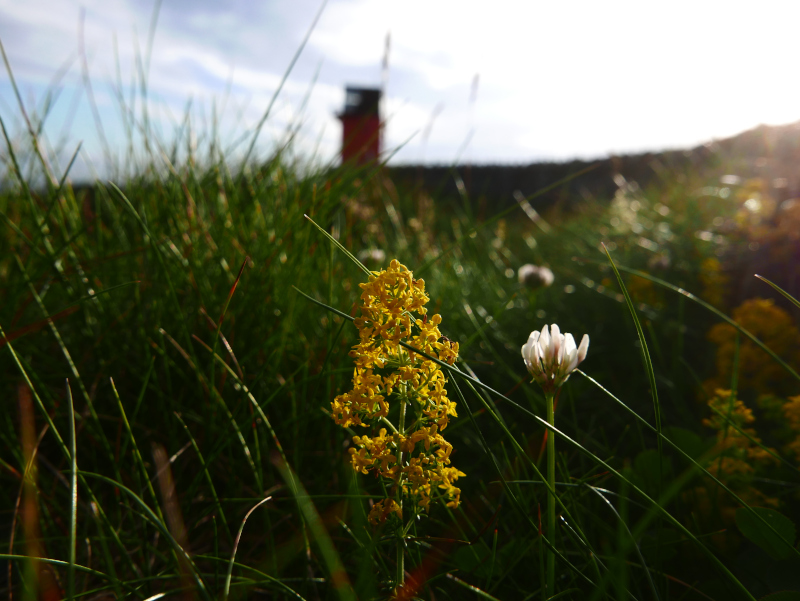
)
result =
(390, 379)
(551, 356)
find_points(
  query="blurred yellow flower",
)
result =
(739, 446)
(714, 281)
(757, 370)
(791, 411)
(383, 509)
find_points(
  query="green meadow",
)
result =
(172, 342)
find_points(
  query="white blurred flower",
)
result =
(534, 276)
(372, 257)
(660, 261)
(551, 356)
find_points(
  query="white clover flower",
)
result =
(551, 356)
(534, 276)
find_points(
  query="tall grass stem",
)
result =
(73, 495)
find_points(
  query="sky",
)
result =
(506, 81)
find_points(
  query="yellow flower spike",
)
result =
(393, 310)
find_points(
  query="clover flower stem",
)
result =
(551, 498)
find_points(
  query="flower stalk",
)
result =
(551, 496)
(400, 577)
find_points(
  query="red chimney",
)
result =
(361, 126)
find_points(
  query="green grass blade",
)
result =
(627, 530)
(159, 256)
(252, 399)
(66, 564)
(651, 378)
(788, 296)
(217, 332)
(68, 357)
(123, 449)
(39, 403)
(473, 589)
(154, 519)
(264, 577)
(73, 496)
(227, 589)
(648, 363)
(71, 162)
(215, 394)
(338, 576)
(136, 454)
(31, 131)
(324, 306)
(339, 245)
(64, 312)
(15, 228)
(211, 486)
(102, 518)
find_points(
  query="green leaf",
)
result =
(689, 442)
(778, 540)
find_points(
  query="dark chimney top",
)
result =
(361, 101)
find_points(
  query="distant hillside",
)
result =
(771, 152)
